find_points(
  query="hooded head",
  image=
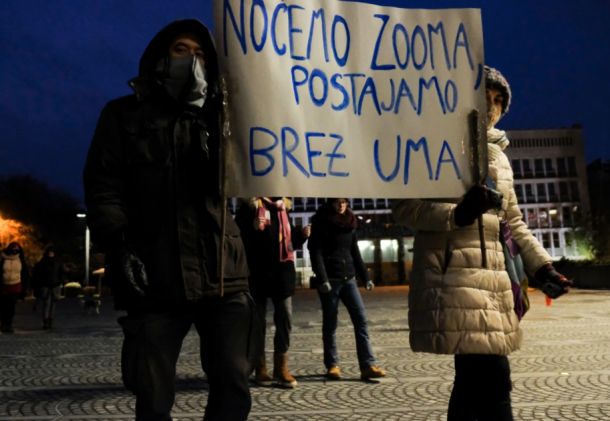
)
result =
(13, 248)
(49, 252)
(158, 65)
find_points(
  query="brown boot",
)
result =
(333, 373)
(261, 376)
(281, 373)
(371, 372)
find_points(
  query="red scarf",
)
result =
(285, 237)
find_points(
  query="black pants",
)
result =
(481, 390)
(152, 345)
(282, 319)
(7, 310)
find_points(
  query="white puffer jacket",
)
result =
(455, 305)
(11, 269)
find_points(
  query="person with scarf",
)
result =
(156, 208)
(270, 241)
(14, 277)
(336, 261)
(458, 306)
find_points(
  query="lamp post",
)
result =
(87, 245)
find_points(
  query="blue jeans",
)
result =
(347, 292)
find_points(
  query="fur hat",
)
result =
(494, 79)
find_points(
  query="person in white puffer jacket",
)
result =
(457, 306)
(14, 277)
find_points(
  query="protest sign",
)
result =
(331, 98)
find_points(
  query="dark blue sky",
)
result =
(62, 60)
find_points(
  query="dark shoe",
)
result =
(371, 372)
(7, 329)
(46, 324)
(333, 373)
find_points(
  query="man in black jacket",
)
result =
(152, 190)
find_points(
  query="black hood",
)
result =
(158, 48)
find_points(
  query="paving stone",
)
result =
(73, 372)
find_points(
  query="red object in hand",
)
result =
(548, 301)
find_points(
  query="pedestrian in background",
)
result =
(14, 283)
(336, 261)
(270, 241)
(47, 278)
(457, 306)
(152, 189)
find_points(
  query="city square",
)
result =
(73, 372)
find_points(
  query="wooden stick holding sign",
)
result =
(480, 165)
(222, 180)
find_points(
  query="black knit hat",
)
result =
(495, 80)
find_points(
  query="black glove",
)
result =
(478, 200)
(552, 283)
(132, 270)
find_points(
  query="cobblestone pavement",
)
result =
(73, 372)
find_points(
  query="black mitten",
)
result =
(475, 202)
(552, 283)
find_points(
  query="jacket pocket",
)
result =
(147, 151)
(147, 144)
(338, 268)
(236, 265)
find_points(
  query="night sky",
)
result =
(62, 60)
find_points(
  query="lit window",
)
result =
(367, 250)
(389, 250)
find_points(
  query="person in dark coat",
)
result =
(152, 190)
(270, 241)
(14, 279)
(336, 260)
(47, 277)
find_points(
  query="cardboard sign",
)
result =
(332, 98)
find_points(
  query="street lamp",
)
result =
(87, 244)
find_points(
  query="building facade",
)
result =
(551, 186)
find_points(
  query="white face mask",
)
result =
(186, 80)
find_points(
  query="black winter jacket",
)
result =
(334, 247)
(152, 184)
(268, 276)
(47, 273)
